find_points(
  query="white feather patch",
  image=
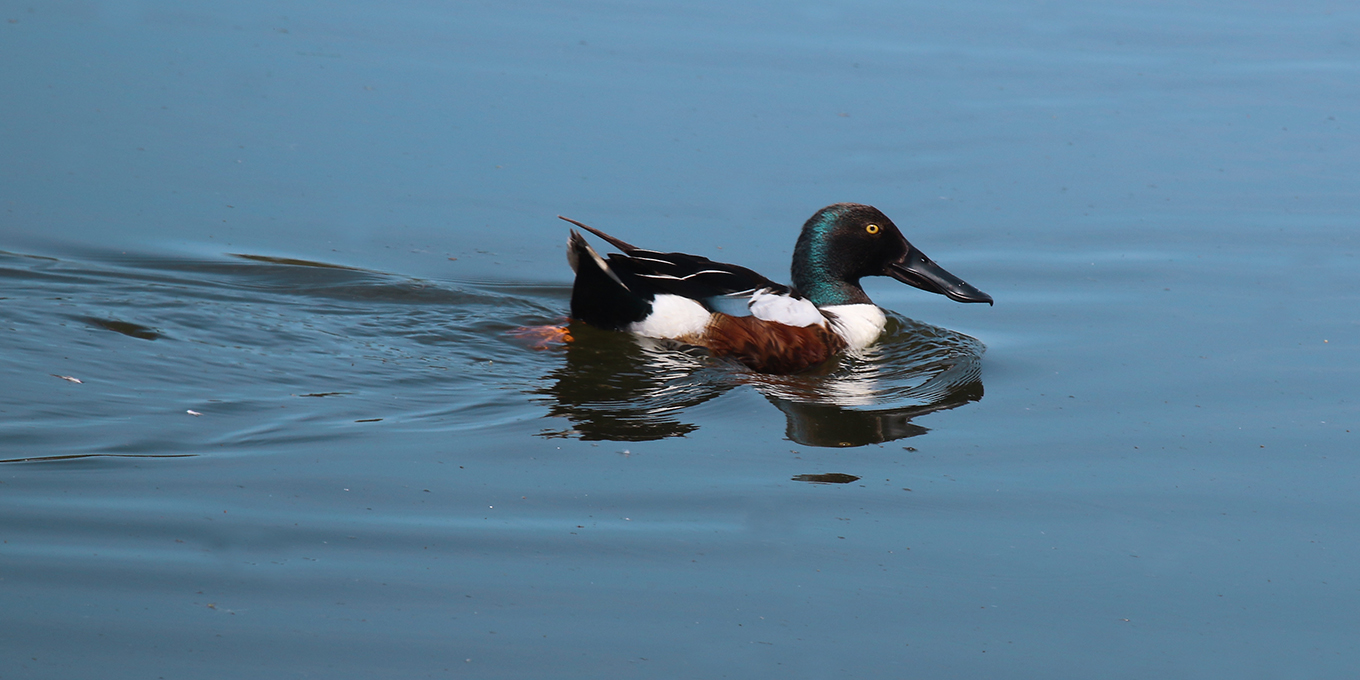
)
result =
(860, 325)
(673, 317)
(790, 311)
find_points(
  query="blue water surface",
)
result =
(275, 400)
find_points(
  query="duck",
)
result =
(736, 313)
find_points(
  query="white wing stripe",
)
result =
(686, 277)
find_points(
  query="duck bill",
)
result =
(915, 269)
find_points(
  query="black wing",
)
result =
(691, 276)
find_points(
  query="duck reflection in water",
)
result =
(620, 387)
(844, 372)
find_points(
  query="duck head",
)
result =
(845, 242)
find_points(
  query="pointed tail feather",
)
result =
(617, 243)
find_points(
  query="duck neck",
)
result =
(827, 292)
(816, 276)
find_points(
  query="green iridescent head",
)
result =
(846, 242)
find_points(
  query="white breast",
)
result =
(860, 325)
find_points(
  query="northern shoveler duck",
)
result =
(735, 312)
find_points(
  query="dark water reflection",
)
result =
(617, 387)
(826, 478)
(613, 387)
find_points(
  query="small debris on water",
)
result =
(826, 478)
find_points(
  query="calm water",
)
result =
(288, 252)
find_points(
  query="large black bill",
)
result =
(915, 269)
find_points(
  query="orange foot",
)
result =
(542, 337)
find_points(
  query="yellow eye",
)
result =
(872, 229)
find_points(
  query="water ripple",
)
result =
(243, 342)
